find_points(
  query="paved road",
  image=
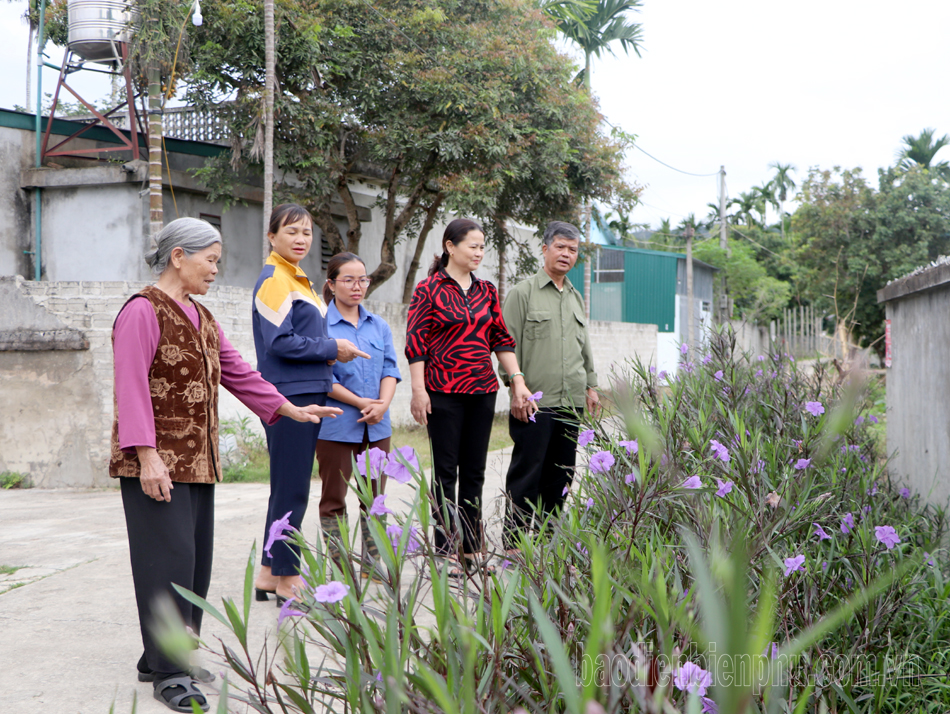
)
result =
(69, 637)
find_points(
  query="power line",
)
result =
(688, 173)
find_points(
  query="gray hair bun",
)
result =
(192, 235)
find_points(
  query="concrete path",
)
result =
(69, 634)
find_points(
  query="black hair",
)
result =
(455, 232)
(333, 269)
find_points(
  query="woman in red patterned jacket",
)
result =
(455, 324)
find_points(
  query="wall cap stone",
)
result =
(934, 277)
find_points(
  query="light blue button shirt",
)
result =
(361, 376)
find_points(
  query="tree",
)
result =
(449, 106)
(920, 151)
(605, 22)
(782, 182)
(764, 197)
(747, 203)
(852, 239)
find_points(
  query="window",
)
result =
(609, 266)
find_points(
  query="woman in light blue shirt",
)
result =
(363, 391)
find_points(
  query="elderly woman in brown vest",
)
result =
(170, 358)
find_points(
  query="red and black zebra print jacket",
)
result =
(456, 333)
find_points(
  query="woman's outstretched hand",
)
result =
(311, 412)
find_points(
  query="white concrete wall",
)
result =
(57, 406)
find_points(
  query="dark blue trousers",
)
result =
(292, 446)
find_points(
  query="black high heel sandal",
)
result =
(262, 595)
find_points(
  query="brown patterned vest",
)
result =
(183, 380)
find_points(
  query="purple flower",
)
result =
(662, 375)
(688, 367)
(724, 487)
(720, 451)
(536, 397)
(585, 437)
(709, 706)
(401, 464)
(567, 490)
(629, 478)
(707, 359)
(379, 507)
(795, 563)
(532, 418)
(873, 490)
(287, 610)
(693, 482)
(630, 446)
(872, 418)
(692, 678)
(718, 375)
(601, 462)
(930, 560)
(758, 373)
(652, 369)
(802, 464)
(847, 523)
(774, 646)
(761, 358)
(887, 535)
(824, 566)
(904, 492)
(859, 421)
(581, 549)
(590, 503)
(684, 348)
(377, 460)
(820, 532)
(276, 532)
(333, 591)
(395, 534)
(814, 408)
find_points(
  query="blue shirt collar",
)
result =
(334, 316)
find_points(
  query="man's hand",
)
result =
(593, 402)
(521, 405)
(347, 351)
(373, 412)
(155, 480)
(311, 412)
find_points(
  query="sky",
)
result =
(734, 83)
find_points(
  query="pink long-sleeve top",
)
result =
(136, 340)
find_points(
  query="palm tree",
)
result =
(920, 151)
(747, 203)
(269, 62)
(593, 26)
(764, 197)
(782, 183)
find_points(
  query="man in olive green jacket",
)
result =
(545, 315)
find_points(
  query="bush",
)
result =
(742, 523)
(13, 479)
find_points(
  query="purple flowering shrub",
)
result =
(728, 511)
(787, 462)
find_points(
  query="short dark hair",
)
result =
(333, 270)
(455, 232)
(560, 228)
(287, 213)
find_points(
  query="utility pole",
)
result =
(690, 330)
(723, 235)
(269, 61)
(587, 260)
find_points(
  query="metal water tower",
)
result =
(96, 27)
(99, 34)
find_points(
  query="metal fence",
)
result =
(193, 125)
(799, 332)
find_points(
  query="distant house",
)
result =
(649, 287)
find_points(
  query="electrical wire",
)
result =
(688, 173)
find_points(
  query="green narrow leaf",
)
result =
(555, 650)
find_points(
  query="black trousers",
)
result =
(169, 542)
(292, 447)
(542, 464)
(460, 430)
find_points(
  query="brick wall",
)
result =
(92, 306)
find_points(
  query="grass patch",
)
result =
(247, 460)
(13, 479)
(9, 569)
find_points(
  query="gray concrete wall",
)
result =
(918, 382)
(57, 403)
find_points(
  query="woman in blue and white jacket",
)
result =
(295, 354)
